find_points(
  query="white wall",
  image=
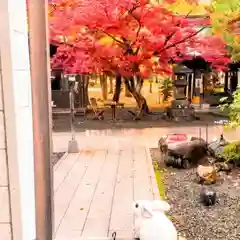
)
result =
(16, 83)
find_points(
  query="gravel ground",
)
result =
(56, 156)
(195, 221)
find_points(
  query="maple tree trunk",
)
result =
(81, 96)
(135, 90)
(86, 96)
(127, 92)
(110, 85)
(103, 83)
(117, 89)
(150, 86)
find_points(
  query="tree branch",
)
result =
(180, 41)
(113, 38)
(137, 20)
(106, 12)
(137, 34)
(135, 6)
(168, 38)
(136, 52)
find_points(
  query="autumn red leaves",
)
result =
(130, 37)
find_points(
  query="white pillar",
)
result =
(201, 84)
(229, 80)
(192, 85)
(17, 99)
(187, 87)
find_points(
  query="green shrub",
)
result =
(234, 109)
(166, 86)
(232, 151)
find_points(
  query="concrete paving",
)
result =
(94, 190)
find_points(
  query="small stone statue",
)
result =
(208, 196)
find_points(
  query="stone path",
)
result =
(94, 191)
(95, 188)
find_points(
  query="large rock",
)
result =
(193, 150)
(181, 150)
(216, 148)
(224, 166)
(206, 174)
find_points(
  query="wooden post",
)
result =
(42, 117)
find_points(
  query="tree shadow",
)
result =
(62, 123)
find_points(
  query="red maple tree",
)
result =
(143, 38)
